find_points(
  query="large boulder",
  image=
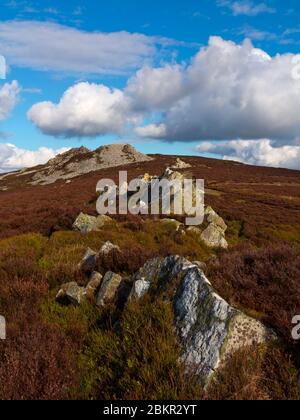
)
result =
(71, 293)
(214, 237)
(108, 289)
(209, 329)
(85, 223)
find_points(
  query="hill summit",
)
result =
(80, 161)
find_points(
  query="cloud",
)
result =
(13, 158)
(246, 7)
(228, 91)
(259, 152)
(50, 46)
(9, 96)
(85, 109)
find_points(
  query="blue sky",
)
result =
(50, 47)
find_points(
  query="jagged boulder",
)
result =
(209, 329)
(85, 223)
(71, 293)
(93, 285)
(214, 237)
(89, 261)
(108, 289)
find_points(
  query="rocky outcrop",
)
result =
(180, 164)
(208, 328)
(214, 235)
(71, 293)
(76, 162)
(85, 223)
(108, 289)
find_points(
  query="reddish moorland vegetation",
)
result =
(75, 352)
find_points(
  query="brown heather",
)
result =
(56, 352)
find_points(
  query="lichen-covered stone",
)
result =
(213, 237)
(212, 217)
(108, 289)
(86, 224)
(71, 293)
(208, 328)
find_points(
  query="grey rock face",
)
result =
(71, 293)
(139, 289)
(108, 289)
(209, 329)
(88, 262)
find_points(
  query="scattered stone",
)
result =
(71, 293)
(93, 285)
(88, 262)
(214, 237)
(107, 248)
(108, 289)
(85, 223)
(180, 164)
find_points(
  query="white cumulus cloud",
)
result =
(258, 152)
(13, 158)
(9, 96)
(229, 91)
(85, 109)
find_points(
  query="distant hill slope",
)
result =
(255, 201)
